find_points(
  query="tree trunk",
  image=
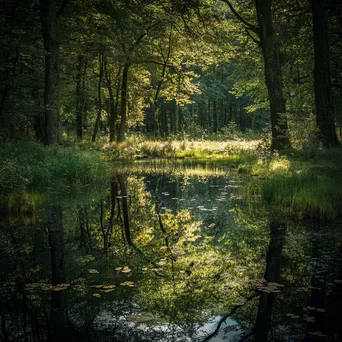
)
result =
(123, 193)
(123, 108)
(215, 123)
(59, 316)
(99, 87)
(272, 274)
(51, 90)
(175, 117)
(113, 117)
(325, 111)
(79, 98)
(39, 118)
(273, 75)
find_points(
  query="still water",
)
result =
(167, 252)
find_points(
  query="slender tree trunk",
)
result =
(51, 91)
(209, 116)
(325, 111)
(39, 118)
(123, 107)
(123, 192)
(79, 98)
(113, 117)
(175, 117)
(215, 120)
(99, 87)
(273, 74)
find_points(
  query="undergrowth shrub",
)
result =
(26, 165)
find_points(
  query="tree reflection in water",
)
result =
(165, 257)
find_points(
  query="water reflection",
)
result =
(167, 256)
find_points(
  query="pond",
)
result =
(167, 252)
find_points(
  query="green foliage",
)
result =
(27, 166)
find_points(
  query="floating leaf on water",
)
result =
(229, 328)
(317, 333)
(123, 269)
(141, 318)
(239, 303)
(126, 270)
(314, 288)
(292, 315)
(310, 319)
(47, 288)
(93, 271)
(127, 283)
(80, 279)
(275, 284)
(57, 288)
(97, 295)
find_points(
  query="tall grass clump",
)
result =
(29, 166)
(305, 192)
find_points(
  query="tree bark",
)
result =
(113, 100)
(215, 119)
(48, 20)
(99, 87)
(325, 111)
(123, 108)
(79, 98)
(175, 117)
(273, 74)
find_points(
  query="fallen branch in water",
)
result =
(215, 332)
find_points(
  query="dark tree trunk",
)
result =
(99, 87)
(59, 316)
(215, 120)
(273, 74)
(272, 274)
(51, 91)
(175, 117)
(114, 100)
(209, 117)
(325, 111)
(123, 105)
(39, 119)
(79, 97)
(123, 192)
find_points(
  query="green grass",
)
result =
(302, 186)
(28, 169)
(134, 148)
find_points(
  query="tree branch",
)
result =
(256, 41)
(239, 17)
(215, 332)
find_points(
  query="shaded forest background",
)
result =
(200, 68)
